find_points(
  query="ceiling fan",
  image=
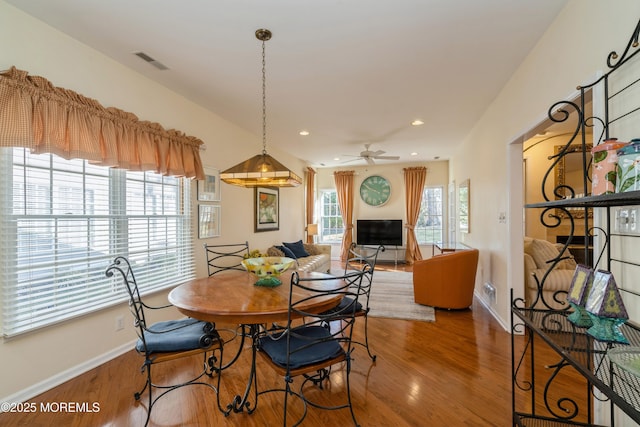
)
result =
(369, 156)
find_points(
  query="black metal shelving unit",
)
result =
(588, 356)
(574, 347)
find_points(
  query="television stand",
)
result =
(386, 256)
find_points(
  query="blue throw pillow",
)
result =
(297, 248)
(287, 252)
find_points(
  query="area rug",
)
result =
(392, 297)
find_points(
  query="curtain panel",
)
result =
(344, 190)
(414, 179)
(310, 199)
(35, 114)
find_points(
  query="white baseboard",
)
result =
(493, 313)
(62, 377)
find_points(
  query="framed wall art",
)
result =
(208, 221)
(209, 187)
(266, 209)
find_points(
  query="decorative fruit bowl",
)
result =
(268, 269)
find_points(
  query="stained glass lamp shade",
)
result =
(606, 309)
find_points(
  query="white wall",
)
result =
(38, 360)
(571, 52)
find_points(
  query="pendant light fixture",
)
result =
(261, 170)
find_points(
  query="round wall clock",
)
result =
(375, 190)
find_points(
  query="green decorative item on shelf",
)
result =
(577, 296)
(579, 317)
(606, 309)
(607, 329)
(268, 269)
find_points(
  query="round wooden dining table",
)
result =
(232, 297)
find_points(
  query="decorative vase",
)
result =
(603, 168)
(628, 169)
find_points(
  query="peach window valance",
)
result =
(35, 114)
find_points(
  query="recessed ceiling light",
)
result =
(414, 154)
(417, 122)
(304, 132)
(336, 158)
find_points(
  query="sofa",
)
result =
(537, 254)
(446, 280)
(308, 256)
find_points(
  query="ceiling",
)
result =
(350, 72)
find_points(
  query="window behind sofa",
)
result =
(331, 226)
(63, 221)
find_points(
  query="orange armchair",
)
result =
(447, 280)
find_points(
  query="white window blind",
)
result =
(63, 222)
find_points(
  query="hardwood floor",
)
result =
(452, 372)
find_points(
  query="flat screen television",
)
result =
(379, 232)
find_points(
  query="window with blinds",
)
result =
(63, 222)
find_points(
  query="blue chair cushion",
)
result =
(176, 335)
(297, 248)
(347, 301)
(344, 304)
(318, 352)
(287, 252)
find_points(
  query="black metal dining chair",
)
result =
(225, 257)
(357, 260)
(168, 340)
(312, 348)
(221, 258)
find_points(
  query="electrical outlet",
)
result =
(490, 292)
(119, 323)
(621, 224)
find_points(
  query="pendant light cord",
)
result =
(263, 169)
(264, 101)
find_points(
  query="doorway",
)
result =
(528, 164)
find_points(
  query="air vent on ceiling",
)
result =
(150, 60)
